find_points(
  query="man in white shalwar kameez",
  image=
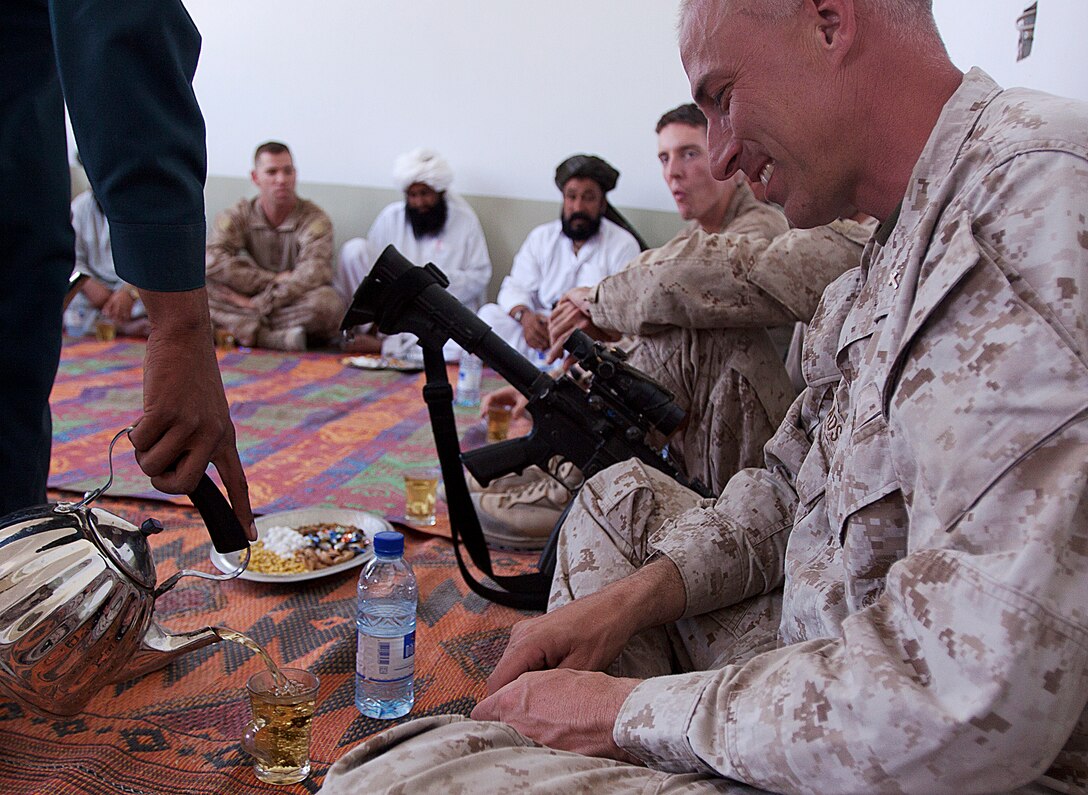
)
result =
(432, 224)
(578, 249)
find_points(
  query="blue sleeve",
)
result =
(126, 69)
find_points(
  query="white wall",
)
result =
(983, 33)
(505, 90)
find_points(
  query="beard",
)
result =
(580, 226)
(428, 222)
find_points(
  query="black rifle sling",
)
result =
(523, 591)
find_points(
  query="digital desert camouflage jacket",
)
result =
(925, 501)
(648, 294)
(246, 253)
(754, 273)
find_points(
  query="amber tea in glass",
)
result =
(498, 422)
(104, 330)
(224, 340)
(420, 496)
(278, 737)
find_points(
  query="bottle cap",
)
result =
(388, 544)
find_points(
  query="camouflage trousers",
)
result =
(609, 533)
(607, 536)
(450, 753)
(733, 385)
(318, 312)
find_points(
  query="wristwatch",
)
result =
(519, 313)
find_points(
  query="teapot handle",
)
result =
(223, 526)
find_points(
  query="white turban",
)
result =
(422, 165)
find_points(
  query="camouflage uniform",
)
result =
(245, 254)
(925, 503)
(709, 346)
(757, 276)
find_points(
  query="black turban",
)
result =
(588, 166)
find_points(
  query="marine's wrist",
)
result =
(656, 588)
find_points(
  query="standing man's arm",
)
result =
(126, 70)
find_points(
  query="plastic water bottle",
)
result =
(385, 661)
(540, 359)
(468, 380)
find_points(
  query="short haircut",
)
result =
(908, 15)
(688, 114)
(271, 148)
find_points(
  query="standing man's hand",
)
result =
(186, 421)
(566, 710)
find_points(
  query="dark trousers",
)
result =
(37, 248)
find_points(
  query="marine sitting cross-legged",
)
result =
(924, 506)
(269, 262)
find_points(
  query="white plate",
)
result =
(369, 523)
(368, 362)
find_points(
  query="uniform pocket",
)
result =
(979, 379)
(866, 473)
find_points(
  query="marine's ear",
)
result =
(834, 25)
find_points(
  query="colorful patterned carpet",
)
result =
(312, 432)
(178, 730)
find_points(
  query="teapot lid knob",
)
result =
(151, 526)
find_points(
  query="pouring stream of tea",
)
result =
(237, 637)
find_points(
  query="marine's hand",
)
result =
(186, 421)
(565, 319)
(296, 314)
(579, 297)
(566, 710)
(586, 634)
(570, 314)
(236, 298)
(590, 632)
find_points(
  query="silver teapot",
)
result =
(77, 597)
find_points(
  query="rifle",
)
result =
(595, 428)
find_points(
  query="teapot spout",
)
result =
(160, 647)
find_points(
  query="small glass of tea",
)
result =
(420, 496)
(278, 737)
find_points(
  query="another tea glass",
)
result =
(420, 496)
(224, 340)
(104, 329)
(278, 737)
(498, 422)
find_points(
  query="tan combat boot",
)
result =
(519, 511)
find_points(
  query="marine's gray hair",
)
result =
(908, 16)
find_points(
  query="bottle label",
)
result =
(386, 659)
